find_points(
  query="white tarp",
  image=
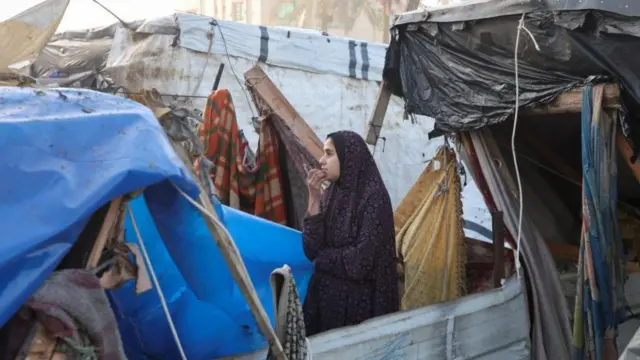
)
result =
(316, 81)
(300, 49)
(23, 37)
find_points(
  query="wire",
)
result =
(271, 336)
(156, 284)
(206, 63)
(513, 140)
(112, 14)
(125, 92)
(226, 51)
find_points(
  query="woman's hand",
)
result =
(315, 179)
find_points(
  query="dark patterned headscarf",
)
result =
(359, 179)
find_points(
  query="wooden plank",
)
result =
(497, 224)
(377, 116)
(411, 16)
(259, 84)
(106, 230)
(571, 102)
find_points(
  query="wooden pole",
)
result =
(377, 115)
(109, 224)
(234, 262)
(258, 82)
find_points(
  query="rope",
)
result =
(513, 141)
(274, 343)
(156, 284)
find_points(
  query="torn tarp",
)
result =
(459, 69)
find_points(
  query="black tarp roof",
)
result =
(457, 66)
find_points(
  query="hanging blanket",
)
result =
(599, 302)
(254, 187)
(73, 307)
(294, 158)
(430, 235)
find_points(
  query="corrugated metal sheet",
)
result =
(492, 325)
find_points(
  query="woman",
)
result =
(349, 235)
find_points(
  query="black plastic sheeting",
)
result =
(461, 73)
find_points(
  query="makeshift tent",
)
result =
(456, 64)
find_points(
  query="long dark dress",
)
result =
(352, 245)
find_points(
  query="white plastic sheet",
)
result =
(291, 48)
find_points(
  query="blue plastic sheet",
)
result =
(64, 154)
(210, 314)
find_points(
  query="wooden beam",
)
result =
(377, 116)
(259, 84)
(569, 252)
(571, 102)
(110, 223)
(232, 257)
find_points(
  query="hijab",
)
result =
(345, 199)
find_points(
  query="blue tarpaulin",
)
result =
(64, 154)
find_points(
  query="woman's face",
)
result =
(330, 162)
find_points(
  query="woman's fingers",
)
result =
(316, 178)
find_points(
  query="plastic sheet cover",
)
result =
(462, 72)
(210, 314)
(65, 154)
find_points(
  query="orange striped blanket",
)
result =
(254, 188)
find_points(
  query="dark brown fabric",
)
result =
(296, 157)
(352, 245)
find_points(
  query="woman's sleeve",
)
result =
(313, 235)
(355, 262)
